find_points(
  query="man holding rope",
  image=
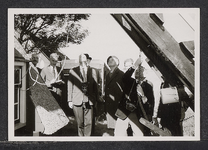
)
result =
(128, 110)
(53, 77)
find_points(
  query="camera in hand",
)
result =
(129, 104)
(58, 84)
(84, 88)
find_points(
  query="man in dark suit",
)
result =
(99, 101)
(82, 95)
(53, 77)
(99, 78)
(113, 90)
(147, 87)
(130, 113)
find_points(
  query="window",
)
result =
(17, 87)
(19, 94)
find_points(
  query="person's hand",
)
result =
(140, 91)
(48, 84)
(52, 81)
(59, 82)
(101, 99)
(144, 99)
(154, 121)
(70, 105)
(138, 62)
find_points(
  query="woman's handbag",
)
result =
(169, 95)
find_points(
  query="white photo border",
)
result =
(12, 11)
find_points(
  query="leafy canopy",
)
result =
(49, 32)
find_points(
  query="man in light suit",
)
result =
(82, 95)
(53, 76)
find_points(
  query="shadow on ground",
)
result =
(99, 130)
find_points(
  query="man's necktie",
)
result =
(54, 72)
(84, 76)
(85, 98)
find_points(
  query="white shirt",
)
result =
(54, 70)
(84, 73)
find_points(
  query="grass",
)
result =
(189, 123)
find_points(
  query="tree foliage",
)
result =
(48, 32)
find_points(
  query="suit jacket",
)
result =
(75, 81)
(47, 76)
(129, 83)
(147, 87)
(99, 81)
(113, 91)
(39, 70)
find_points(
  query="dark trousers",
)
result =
(93, 120)
(84, 116)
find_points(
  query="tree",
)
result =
(48, 32)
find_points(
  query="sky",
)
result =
(107, 38)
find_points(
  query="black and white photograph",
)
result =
(103, 74)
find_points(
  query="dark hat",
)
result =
(88, 57)
(115, 58)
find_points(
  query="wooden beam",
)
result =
(154, 127)
(188, 49)
(160, 47)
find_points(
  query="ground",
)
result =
(102, 130)
(189, 123)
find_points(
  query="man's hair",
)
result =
(139, 74)
(88, 56)
(34, 55)
(115, 58)
(54, 56)
(129, 60)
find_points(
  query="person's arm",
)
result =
(62, 76)
(127, 75)
(131, 70)
(70, 88)
(99, 76)
(59, 83)
(43, 75)
(157, 108)
(95, 85)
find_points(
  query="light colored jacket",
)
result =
(75, 81)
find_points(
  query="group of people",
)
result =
(127, 97)
(51, 74)
(125, 94)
